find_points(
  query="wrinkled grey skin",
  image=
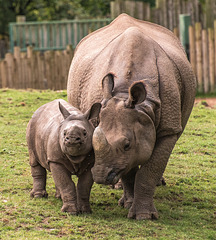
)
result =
(141, 74)
(59, 139)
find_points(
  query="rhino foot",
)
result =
(162, 182)
(146, 214)
(126, 203)
(85, 209)
(58, 195)
(39, 194)
(69, 208)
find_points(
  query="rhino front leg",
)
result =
(39, 175)
(128, 185)
(57, 194)
(66, 187)
(147, 178)
(84, 185)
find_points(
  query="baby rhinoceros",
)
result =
(59, 139)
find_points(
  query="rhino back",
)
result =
(135, 50)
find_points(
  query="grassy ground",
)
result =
(186, 205)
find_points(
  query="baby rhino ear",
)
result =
(63, 111)
(93, 112)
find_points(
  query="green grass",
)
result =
(186, 205)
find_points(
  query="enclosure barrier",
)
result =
(35, 69)
(49, 69)
(53, 35)
(203, 56)
(166, 12)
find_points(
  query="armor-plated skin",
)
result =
(140, 73)
(59, 139)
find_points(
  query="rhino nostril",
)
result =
(78, 139)
(84, 133)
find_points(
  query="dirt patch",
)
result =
(208, 102)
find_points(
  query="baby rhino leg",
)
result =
(39, 181)
(65, 187)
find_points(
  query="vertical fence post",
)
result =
(199, 61)
(184, 23)
(11, 36)
(192, 48)
(211, 58)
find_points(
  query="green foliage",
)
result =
(186, 205)
(38, 10)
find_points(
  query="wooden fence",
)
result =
(166, 12)
(42, 70)
(34, 69)
(203, 56)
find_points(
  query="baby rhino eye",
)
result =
(65, 132)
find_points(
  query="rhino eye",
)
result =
(127, 145)
(65, 132)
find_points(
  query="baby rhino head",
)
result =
(76, 131)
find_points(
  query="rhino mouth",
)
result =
(113, 176)
(74, 145)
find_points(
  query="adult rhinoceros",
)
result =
(141, 74)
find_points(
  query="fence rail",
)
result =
(54, 35)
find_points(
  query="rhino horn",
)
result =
(100, 143)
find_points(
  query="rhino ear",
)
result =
(107, 86)
(137, 94)
(63, 111)
(93, 112)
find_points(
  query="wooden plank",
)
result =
(17, 67)
(199, 70)
(39, 72)
(130, 8)
(24, 70)
(211, 59)
(139, 10)
(10, 70)
(192, 48)
(170, 14)
(3, 71)
(205, 60)
(176, 32)
(146, 12)
(30, 71)
(209, 7)
(215, 51)
(0, 75)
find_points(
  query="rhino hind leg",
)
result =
(39, 175)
